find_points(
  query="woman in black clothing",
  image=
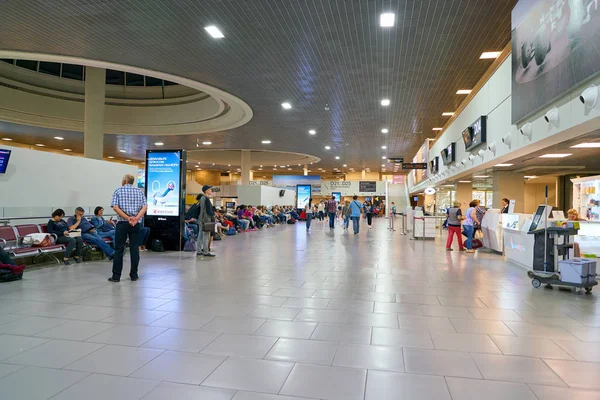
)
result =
(60, 228)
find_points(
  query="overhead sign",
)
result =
(396, 160)
(367, 186)
(414, 166)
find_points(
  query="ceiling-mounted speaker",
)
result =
(551, 116)
(492, 147)
(526, 130)
(589, 97)
(506, 139)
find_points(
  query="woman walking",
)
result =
(308, 209)
(321, 210)
(468, 225)
(454, 215)
(369, 212)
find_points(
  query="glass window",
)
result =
(71, 71)
(7, 60)
(50, 68)
(150, 81)
(167, 83)
(28, 64)
(134, 79)
(115, 77)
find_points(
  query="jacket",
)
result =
(206, 210)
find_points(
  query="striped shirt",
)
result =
(129, 199)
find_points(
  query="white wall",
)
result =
(494, 100)
(265, 196)
(37, 182)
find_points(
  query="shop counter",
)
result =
(491, 226)
(518, 243)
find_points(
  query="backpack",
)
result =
(231, 232)
(157, 245)
(291, 221)
(10, 273)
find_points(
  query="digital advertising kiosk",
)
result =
(165, 192)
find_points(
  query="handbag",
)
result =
(208, 226)
(478, 234)
(190, 245)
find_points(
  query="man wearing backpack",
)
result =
(355, 211)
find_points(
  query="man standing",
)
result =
(355, 210)
(88, 232)
(130, 205)
(331, 210)
(206, 222)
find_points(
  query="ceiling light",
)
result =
(312, 132)
(289, 169)
(557, 155)
(282, 166)
(344, 165)
(447, 114)
(260, 169)
(261, 166)
(384, 147)
(274, 169)
(464, 181)
(7, 139)
(503, 165)
(266, 142)
(337, 157)
(387, 20)
(586, 146)
(59, 138)
(123, 151)
(384, 130)
(207, 143)
(530, 177)
(214, 32)
(127, 160)
(286, 106)
(110, 157)
(383, 165)
(463, 91)
(158, 143)
(490, 55)
(385, 102)
(437, 129)
(213, 164)
(67, 150)
(481, 176)
(327, 147)
(40, 145)
(229, 165)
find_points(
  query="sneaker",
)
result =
(113, 279)
(449, 249)
(209, 255)
(470, 251)
(462, 249)
(134, 278)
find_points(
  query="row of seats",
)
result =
(11, 239)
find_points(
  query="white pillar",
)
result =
(251, 175)
(364, 174)
(305, 170)
(93, 127)
(246, 167)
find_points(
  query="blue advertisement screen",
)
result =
(337, 195)
(163, 190)
(302, 195)
(4, 156)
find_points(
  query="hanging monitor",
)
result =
(4, 157)
(448, 154)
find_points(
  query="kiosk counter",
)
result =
(491, 226)
(518, 243)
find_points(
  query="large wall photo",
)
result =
(554, 48)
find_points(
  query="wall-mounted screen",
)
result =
(163, 179)
(367, 186)
(302, 195)
(475, 135)
(448, 155)
(4, 157)
(337, 195)
(466, 136)
(434, 165)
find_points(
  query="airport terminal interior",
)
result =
(299, 200)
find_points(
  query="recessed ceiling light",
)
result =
(260, 169)
(282, 166)
(384, 130)
(344, 165)
(557, 155)
(67, 150)
(384, 147)
(383, 165)
(261, 166)
(387, 20)
(127, 160)
(214, 32)
(274, 169)
(59, 138)
(530, 177)
(327, 147)
(7, 139)
(586, 146)
(437, 129)
(207, 143)
(286, 106)
(229, 165)
(289, 169)
(266, 142)
(385, 102)
(463, 91)
(384, 158)
(312, 132)
(464, 181)
(447, 114)
(503, 165)
(213, 164)
(337, 157)
(123, 151)
(110, 157)
(158, 143)
(481, 176)
(40, 145)
(490, 55)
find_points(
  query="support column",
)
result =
(464, 194)
(246, 167)
(305, 170)
(93, 127)
(512, 186)
(364, 174)
(251, 175)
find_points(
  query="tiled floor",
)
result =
(285, 315)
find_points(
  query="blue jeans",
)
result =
(469, 231)
(355, 224)
(346, 221)
(331, 220)
(308, 219)
(194, 227)
(96, 240)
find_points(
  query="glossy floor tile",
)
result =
(280, 314)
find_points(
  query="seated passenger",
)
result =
(144, 235)
(88, 232)
(105, 229)
(192, 215)
(243, 219)
(5, 258)
(60, 228)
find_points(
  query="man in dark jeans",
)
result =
(130, 205)
(331, 210)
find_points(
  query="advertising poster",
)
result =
(421, 157)
(337, 195)
(290, 181)
(554, 48)
(302, 195)
(163, 190)
(141, 178)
